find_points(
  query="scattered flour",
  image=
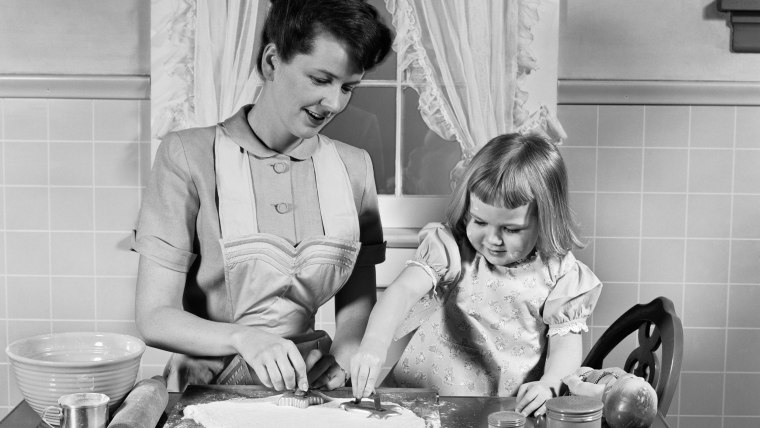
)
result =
(264, 412)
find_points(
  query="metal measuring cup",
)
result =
(80, 410)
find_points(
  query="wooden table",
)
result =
(459, 412)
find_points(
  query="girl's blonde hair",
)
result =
(513, 170)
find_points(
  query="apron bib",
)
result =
(272, 284)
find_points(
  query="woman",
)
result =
(295, 213)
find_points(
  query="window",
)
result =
(412, 163)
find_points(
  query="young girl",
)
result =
(496, 296)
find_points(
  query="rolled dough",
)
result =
(264, 412)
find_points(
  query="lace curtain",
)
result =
(468, 60)
(202, 50)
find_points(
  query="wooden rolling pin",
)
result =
(143, 406)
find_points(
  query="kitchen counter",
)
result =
(460, 412)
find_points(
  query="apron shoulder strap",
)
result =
(336, 197)
(234, 186)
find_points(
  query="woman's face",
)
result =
(312, 88)
(502, 235)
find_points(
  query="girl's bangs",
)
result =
(511, 191)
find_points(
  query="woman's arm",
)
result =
(409, 287)
(353, 304)
(563, 357)
(164, 324)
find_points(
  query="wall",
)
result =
(663, 152)
(649, 40)
(74, 155)
(89, 37)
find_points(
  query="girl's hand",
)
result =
(532, 396)
(365, 370)
(276, 361)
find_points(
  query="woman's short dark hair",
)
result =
(292, 26)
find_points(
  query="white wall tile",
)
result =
(27, 208)
(116, 209)
(71, 119)
(25, 119)
(116, 120)
(71, 164)
(26, 163)
(30, 297)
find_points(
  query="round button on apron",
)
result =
(280, 167)
(282, 207)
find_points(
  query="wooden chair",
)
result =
(658, 324)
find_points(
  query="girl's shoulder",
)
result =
(560, 266)
(437, 231)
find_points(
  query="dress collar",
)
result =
(241, 133)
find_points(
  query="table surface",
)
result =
(464, 412)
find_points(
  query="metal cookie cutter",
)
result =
(373, 409)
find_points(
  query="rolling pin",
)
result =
(143, 406)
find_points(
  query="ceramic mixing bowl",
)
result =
(51, 365)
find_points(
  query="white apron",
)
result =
(272, 284)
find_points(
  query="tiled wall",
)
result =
(669, 197)
(70, 178)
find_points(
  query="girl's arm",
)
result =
(563, 357)
(164, 324)
(409, 287)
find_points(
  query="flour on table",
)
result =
(264, 412)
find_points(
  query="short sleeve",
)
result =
(371, 229)
(438, 254)
(166, 225)
(573, 296)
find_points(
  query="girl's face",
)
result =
(502, 235)
(312, 88)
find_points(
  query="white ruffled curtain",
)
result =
(468, 61)
(203, 61)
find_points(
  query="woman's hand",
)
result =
(365, 369)
(532, 396)
(324, 371)
(276, 361)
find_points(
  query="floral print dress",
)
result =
(482, 330)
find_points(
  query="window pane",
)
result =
(427, 158)
(369, 122)
(387, 69)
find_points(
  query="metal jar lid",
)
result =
(574, 408)
(506, 419)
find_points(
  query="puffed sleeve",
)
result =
(438, 255)
(166, 226)
(372, 251)
(573, 297)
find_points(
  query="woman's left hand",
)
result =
(532, 396)
(324, 371)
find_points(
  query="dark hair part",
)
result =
(292, 26)
(513, 170)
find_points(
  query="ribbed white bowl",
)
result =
(51, 365)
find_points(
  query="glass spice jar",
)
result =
(506, 419)
(573, 411)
